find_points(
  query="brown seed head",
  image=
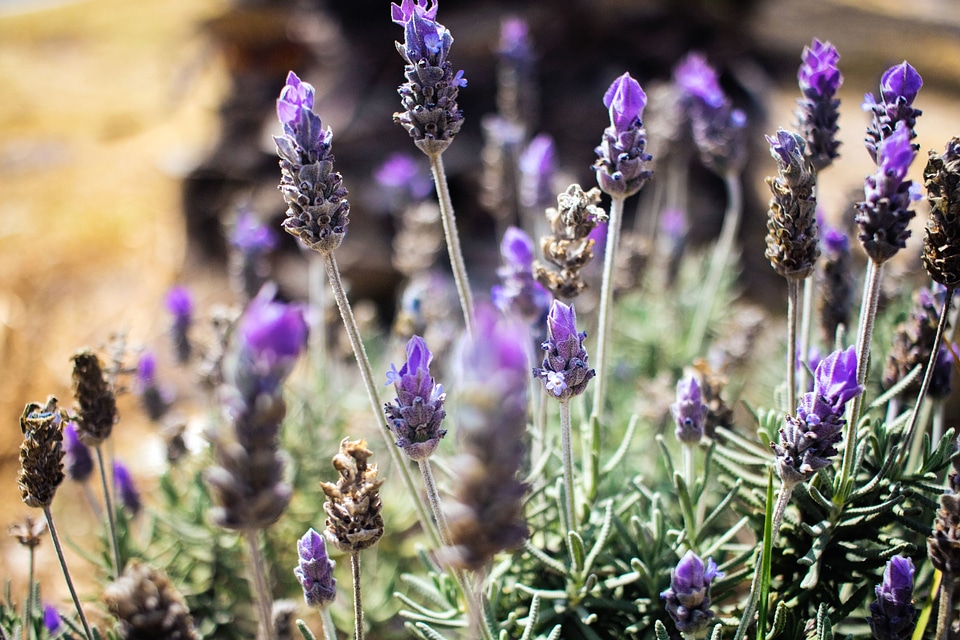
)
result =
(941, 244)
(41, 454)
(28, 531)
(569, 248)
(148, 606)
(353, 508)
(98, 406)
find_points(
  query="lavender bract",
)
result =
(688, 598)
(819, 79)
(621, 162)
(51, 619)
(317, 205)
(899, 86)
(519, 292)
(689, 412)
(314, 570)
(892, 615)
(564, 371)
(417, 412)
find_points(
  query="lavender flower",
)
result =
(913, 341)
(820, 79)
(401, 174)
(564, 371)
(885, 213)
(892, 615)
(315, 570)
(516, 82)
(569, 248)
(252, 241)
(809, 439)
(689, 412)
(317, 205)
(416, 414)
(77, 458)
(51, 619)
(148, 605)
(688, 598)
(41, 453)
(519, 292)
(621, 162)
(791, 224)
(155, 401)
(179, 303)
(125, 488)
(537, 165)
(429, 96)
(899, 86)
(353, 506)
(835, 282)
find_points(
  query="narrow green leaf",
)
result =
(766, 562)
(575, 545)
(305, 630)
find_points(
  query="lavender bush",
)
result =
(798, 510)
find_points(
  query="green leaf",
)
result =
(575, 545)
(661, 631)
(305, 630)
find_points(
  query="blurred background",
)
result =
(130, 133)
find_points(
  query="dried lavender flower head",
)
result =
(518, 292)
(41, 453)
(564, 371)
(820, 79)
(353, 504)
(28, 531)
(899, 86)
(941, 242)
(892, 615)
(98, 404)
(126, 490)
(417, 412)
(317, 205)
(621, 160)
(792, 231)
(689, 412)
(148, 605)
(688, 598)
(78, 461)
(314, 570)
(429, 96)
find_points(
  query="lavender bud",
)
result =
(401, 174)
(689, 412)
(41, 453)
(892, 615)
(98, 405)
(792, 232)
(564, 371)
(77, 458)
(899, 86)
(125, 488)
(621, 162)
(155, 401)
(251, 241)
(429, 96)
(941, 243)
(179, 303)
(688, 598)
(537, 165)
(416, 414)
(51, 620)
(315, 570)
(519, 292)
(317, 205)
(820, 79)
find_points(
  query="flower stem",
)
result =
(945, 615)
(357, 603)
(366, 372)
(329, 629)
(793, 300)
(433, 497)
(567, 464)
(264, 599)
(453, 240)
(111, 515)
(66, 573)
(606, 304)
(28, 604)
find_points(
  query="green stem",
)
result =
(433, 497)
(264, 597)
(689, 468)
(66, 574)
(357, 603)
(111, 515)
(366, 372)
(329, 630)
(28, 604)
(453, 240)
(606, 304)
(945, 615)
(793, 299)
(567, 449)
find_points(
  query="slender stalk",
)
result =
(928, 375)
(66, 573)
(329, 630)
(717, 266)
(28, 604)
(264, 598)
(606, 304)
(567, 463)
(689, 468)
(453, 240)
(806, 323)
(111, 515)
(366, 372)
(433, 497)
(945, 615)
(357, 603)
(793, 299)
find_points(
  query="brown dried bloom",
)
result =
(98, 405)
(569, 248)
(41, 454)
(943, 546)
(353, 509)
(712, 384)
(28, 532)
(941, 245)
(791, 223)
(148, 606)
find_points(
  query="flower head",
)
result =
(625, 101)
(401, 173)
(818, 74)
(51, 619)
(900, 82)
(697, 79)
(899, 86)
(688, 598)
(892, 615)
(621, 164)
(295, 98)
(98, 403)
(688, 411)
(314, 570)
(537, 164)
(154, 400)
(271, 336)
(941, 242)
(820, 79)
(518, 291)
(353, 504)
(125, 488)
(251, 236)
(416, 414)
(791, 223)
(565, 354)
(179, 303)
(77, 458)
(41, 453)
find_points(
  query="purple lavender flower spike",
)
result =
(317, 205)
(417, 412)
(400, 173)
(893, 615)
(77, 459)
(179, 303)
(429, 96)
(125, 488)
(621, 160)
(564, 371)
(835, 378)
(271, 336)
(688, 598)
(537, 166)
(820, 79)
(315, 570)
(899, 87)
(154, 400)
(250, 236)
(696, 79)
(51, 619)
(519, 292)
(688, 411)
(884, 214)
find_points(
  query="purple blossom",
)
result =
(51, 619)
(518, 291)
(401, 173)
(179, 303)
(899, 86)
(688, 598)
(77, 459)
(820, 79)
(818, 75)
(295, 98)
(537, 165)
(688, 411)
(835, 241)
(621, 160)
(698, 80)
(835, 378)
(900, 82)
(417, 412)
(125, 488)
(625, 101)
(314, 570)
(270, 337)
(565, 354)
(515, 40)
(154, 400)
(893, 615)
(251, 236)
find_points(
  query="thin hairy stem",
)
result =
(689, 468)
(326, 620)
(433, 497)
(945, 613)
(111, 515)
(357, 603)
(66, 573)
(567, 449)
(806, 324)
(264, 597)
(606, 304)
(793, 300)
(28, 603)
(366, 372)
(453, 240)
